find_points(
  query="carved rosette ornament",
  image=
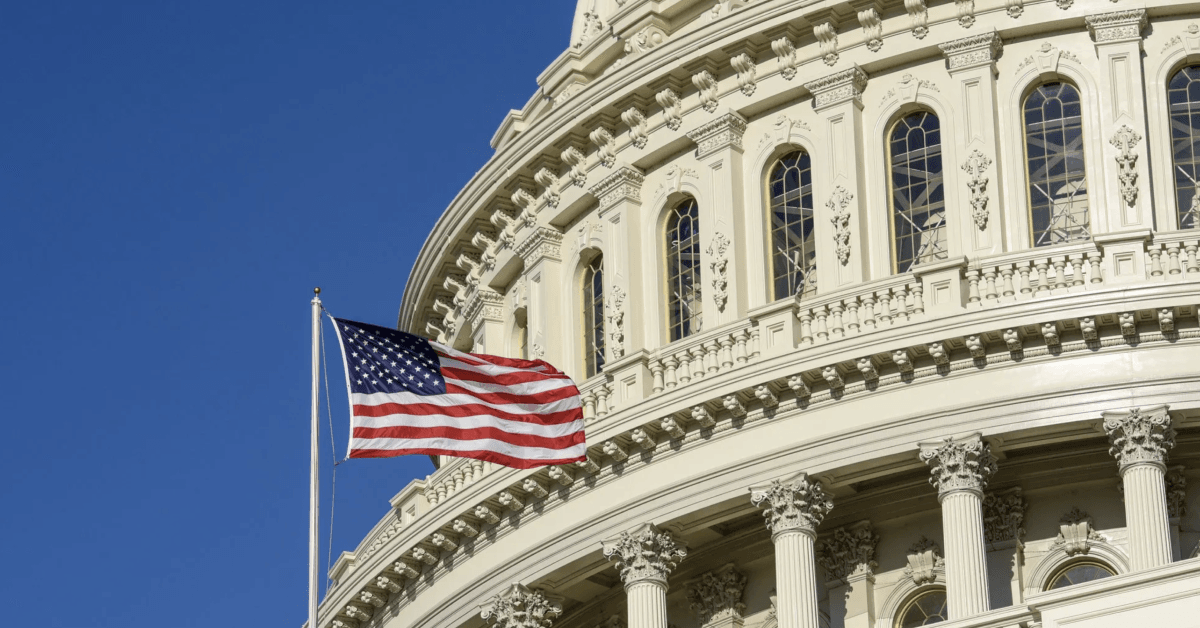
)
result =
(717, 595)
(797, 504)
(1140, 436)
(719, 264)
(959, 465)
(1003, 516)
(838, 204)
(849, 552)
(1124, 140)
(521, 607)
(976, 167)
(645, 554)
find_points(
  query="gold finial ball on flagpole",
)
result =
(317, 290)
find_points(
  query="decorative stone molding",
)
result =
(636, 121)
(971, 52)
(919, 16)
(833, 377)
(1139, 436)
(672, 108)
(746, 67)
(528, 206)
(838, 204)
(765, 395)
(734, 405)
(606, 150)
(794, 504)
(1076, 534)
(963, 464)
(966, 12)
(484, 304)
(706, 84)
(564, 476)
(543, 243)
(784, 127)
(1176, 483)
(406, 568)
(924, 557)
(937, 351)
(1192, 36)
(849, 551)
(574, 159)
(1118, 26)
(785, 54)
(977, 345)
(1124, 140)
(872, 26)
(624, 184)
(616, 322)
(719, 264)
(1014, 8)
(549, 182)
(591, 28)
(645, 40)
(976, 167)
(724, 131)
(837, 88)
(521, 607)
(389, 583)
(1003, 516)
(567, 93)
(357, 612)
(799, 386)
(644, 554)
(1166, 320)
(673, 179)
(826, 34)
(1047, 58)
(717, 595)
(466, 529)
(614, 450)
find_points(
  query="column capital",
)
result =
(1117, 26)
(717, 595)
(794, 504)
(644, 554)
(972, 52)
(484, 304)
(1139, 436)
(726, 130)
(521, 607)
(624, 184)
(543, 243)
(838, 88)
(963, 464)
(850, 551)
(1003, 515)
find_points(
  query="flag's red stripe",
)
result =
(565, 392)
(504, 379)
(521, 440)
(468, 410)
(487, 456)
(480, 359)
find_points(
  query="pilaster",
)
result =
(971, 62)
(838, 184)
(541, 251)
(485, 311)
(716, 598)
(722, 223)
(848, 558)
(1126, 188)
(645, 557)
(793, 509)
(620, 202)
(1140, 439)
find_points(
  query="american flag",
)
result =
(409, 395)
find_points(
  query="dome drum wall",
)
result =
(912, 118)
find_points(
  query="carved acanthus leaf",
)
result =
(521, 607)
(794, 504)
(644, 554)
(1140, 436)
(850, 551)
(717, 595)
(958, 465)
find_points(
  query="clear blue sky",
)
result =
(174, 179)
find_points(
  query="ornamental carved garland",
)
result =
(838, 204)
(1136, 437)
(795, 505)
(616, 322)
(644, 554)
(1125, 139)
(718, 266)
(976, 167)
(959, 465)
(717, 595)
(521, 607)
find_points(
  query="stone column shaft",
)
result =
(647, 604)
(795, 580)
(966, 563)
(1139, 439)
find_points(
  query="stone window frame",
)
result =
(587, 303)
(946, 191)
(1092, 186)
(778, 154)
(1157, 77)
(672, 209)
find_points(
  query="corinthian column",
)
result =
(521, 607)
(960, 470)
(1139, 440)
(794, 509)
(645, 557)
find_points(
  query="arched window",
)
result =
(918, 202)
(683, 270)
(793, 246)
(1058, 198)
(593, 316)
(924, 609)
(1183, 96)
(1078, 573)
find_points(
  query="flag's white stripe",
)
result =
(468, 423)
(458, 399)
(523, 388)
(487, 367)
(491, 370)
(483, 444)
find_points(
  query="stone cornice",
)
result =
(724, 131)
(972, 52)
(624, 184)
(1117, 26)
(838, 88)
(543, 243)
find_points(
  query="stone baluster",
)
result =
(960, 471)
(794, 509)
(1140, 439)
(521, 607)
(645, 557)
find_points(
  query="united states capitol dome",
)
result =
(883, 313)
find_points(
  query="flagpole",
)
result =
(314, 503)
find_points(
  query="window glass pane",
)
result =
(1078, 574)
(593, 316)
(928, 608)
(1058, 203)
(684, 313)
(1183, 96)
(918, 207)
(793, 247)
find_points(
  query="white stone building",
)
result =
(916, 279)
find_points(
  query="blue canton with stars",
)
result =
(382, 360)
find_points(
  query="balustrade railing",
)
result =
(1173, 255)
(703, 355)
(454, 476)
(865, 308)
